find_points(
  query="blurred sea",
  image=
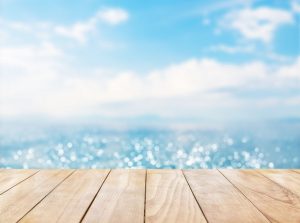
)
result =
(273, 145)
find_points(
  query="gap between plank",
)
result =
(274, 182)
(88, 208)
(20, 182)
(245, 196)
(46, 195)
(182, 172)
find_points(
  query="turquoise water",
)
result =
(266, 146)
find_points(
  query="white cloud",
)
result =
(257, 24)
(80, 30)
(27, 72)
(35, 29)
(30, 60)
(295, 6)
(233, 49)
(20, 26)
(36, 80)
(290, 73)
(113, 16)
(251, 49)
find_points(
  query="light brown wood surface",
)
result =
(121, 198)
(77, 192)
(150, 196)
(276, 202)
(296, 170)
(169, 198)
(220, 200)
(10, 177)
(290, 181)
(16, 202)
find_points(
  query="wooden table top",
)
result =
(151, 196)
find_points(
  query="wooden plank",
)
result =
(169, 198)
(16, 202)
(296, 170)
(275, 202)
(219, 199)
(11, 177)
(286, 178)
(121, 198)
(70, 200)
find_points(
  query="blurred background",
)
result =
(156, 84)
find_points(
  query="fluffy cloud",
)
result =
(257, 24)
(39, 78)
(79, 30)
(36, 80)
(113, 16)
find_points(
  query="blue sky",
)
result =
(174, 60)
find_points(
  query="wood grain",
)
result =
(11, 177)
(121, 198)
(77, 192)
(275, 202)
(220, 200)
(286, 178)
(169, 198)
(16, 202)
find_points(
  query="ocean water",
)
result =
(274, 145)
